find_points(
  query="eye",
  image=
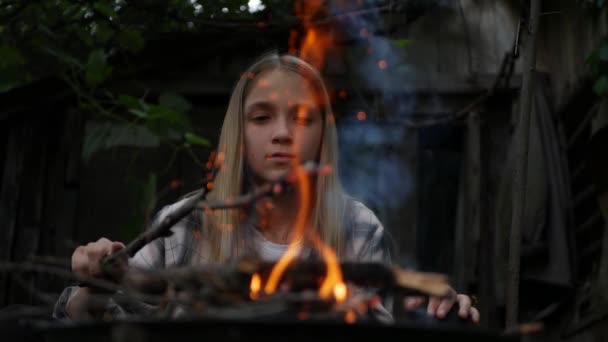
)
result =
(303, 119)
(303, 116)
(259, 117)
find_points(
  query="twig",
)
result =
(49, 260)
(163, 227)
(302, 274)
(27, 267)
(160, 228)
(43, 297)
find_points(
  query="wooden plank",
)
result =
(467, 231)
(72, 141)
(458, 278)
(29, 220)
(63, 192)
(521, 160)
(10, 194)
(488, 231)
(474, 180)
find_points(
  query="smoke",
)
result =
(373, 165)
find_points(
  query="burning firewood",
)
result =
(216, 291)
(302, 275)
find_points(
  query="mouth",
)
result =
(281, 157)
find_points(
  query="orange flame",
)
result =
(333, 283)
(315, 41)
(350, 317)
(300, 225)
(312, 49)
(256, 285)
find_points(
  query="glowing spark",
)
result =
(350, 317)
(256, 285)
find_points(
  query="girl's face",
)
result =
(283, 124)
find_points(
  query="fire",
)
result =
(256, 285)
(340, 292)
(333, 283)
(312, 48)
(315, 42)
(300, 226)
(350, 317)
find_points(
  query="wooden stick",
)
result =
(299, 275)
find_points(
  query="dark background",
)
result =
(76, 164)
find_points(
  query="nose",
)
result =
(283, 133)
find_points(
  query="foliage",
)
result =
(598, 64)
(595, 3)
(91, 44)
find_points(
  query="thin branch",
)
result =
(163, 227)
(304, 274)
(27, 267)
(43, 297)
(50, 260)
(160, 228)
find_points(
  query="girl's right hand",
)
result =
(86, 259)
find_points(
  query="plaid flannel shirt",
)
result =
(366, 241)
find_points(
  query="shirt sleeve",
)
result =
(367, 240)
(151, 256)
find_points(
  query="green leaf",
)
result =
(104, 32)
(11, 78)
(104, 8)
(97, 69)
(170, 117)
(194, 139)
(142, 200)
(129, 102)
(106, 135)
(85, 37)
(9, 56)
(601, 86)
(174, 102)
(401, 43)
(131, 40)
(150, 192)
(138, 113)
(593, 60)
(603, 53)
(136, 106)
(64, 57)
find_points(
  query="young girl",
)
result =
(279, 115)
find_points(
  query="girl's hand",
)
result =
(440, 306)
(86, 259)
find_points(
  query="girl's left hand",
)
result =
(440, 306)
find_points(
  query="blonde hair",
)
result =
(224, 229)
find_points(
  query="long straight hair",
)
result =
(225, 238)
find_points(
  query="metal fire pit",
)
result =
(252, 331)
